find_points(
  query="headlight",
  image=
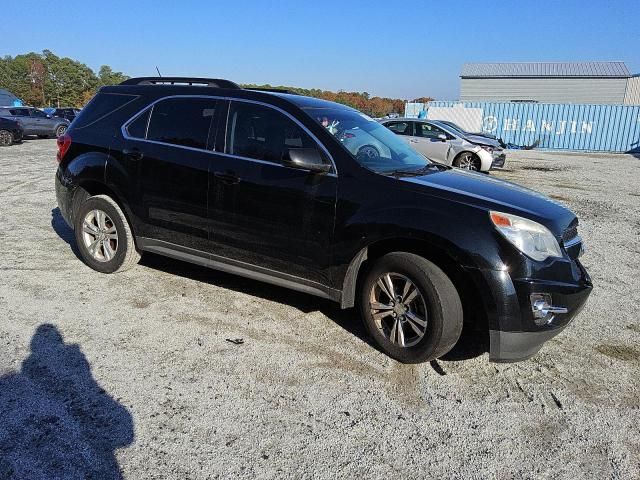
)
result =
(487, 148)
(531, 238)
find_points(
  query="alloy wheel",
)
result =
(468, 162)
(398, 309)
(6, 138)
(61, 130)
(100, 235)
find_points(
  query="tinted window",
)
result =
(21, 112)
(138, 128)
(100, 106)
(401, 128)
(182, 121)
(38, 113)
(260, 132)
(428, 130)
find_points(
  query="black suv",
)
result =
(260, 184)
(11, 131)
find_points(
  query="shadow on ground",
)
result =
(55, 420)
(469, 346)
(63, 230)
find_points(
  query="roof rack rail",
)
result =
(275, 90)
(195, 81)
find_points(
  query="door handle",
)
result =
(133, 154)
(228, 178)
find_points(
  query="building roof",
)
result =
(545, 69)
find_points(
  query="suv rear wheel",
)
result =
(104, 236)
(411, 308)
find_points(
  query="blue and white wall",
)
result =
(606, 128)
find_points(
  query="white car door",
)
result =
(428, 140)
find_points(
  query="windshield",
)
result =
(455, 128)
(370, 143)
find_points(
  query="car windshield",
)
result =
(370, 143)
(455, 127)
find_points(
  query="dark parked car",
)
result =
(68, 113)
(36, 122)
(10, 132)
(259, 184)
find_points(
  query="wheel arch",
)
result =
(91, 187)
(469, 287)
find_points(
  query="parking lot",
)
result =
(135, 372)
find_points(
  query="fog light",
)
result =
(543, 310)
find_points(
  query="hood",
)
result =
(482, 140)
(482, 191)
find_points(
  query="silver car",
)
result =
(441, 143)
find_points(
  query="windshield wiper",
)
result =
(416, 172)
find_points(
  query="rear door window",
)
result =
(400, 128)
(182, 121)
(263, 133)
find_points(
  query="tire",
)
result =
(437, 302)
(6, 138)
(468, 161)
(112, 254)
(61, 130)
(43, 136)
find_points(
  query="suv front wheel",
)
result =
(104, 236)
(411, 308)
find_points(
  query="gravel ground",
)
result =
(131, 375)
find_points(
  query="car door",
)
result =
(29, 123)
(426, 140)
(166, 154)
(42, 124)
(266, 214)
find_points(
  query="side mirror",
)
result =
(307, 159)
(442, 137)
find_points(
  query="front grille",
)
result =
(571, 232)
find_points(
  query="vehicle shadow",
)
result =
(469, 346)
(55, 419)
(64, 231)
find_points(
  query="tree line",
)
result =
(44, 79)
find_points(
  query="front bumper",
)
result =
(513, 333)
(499, 160)
(512, 346)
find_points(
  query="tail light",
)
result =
(64, 142)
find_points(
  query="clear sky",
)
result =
(388, 48)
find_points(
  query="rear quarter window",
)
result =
(100, 106)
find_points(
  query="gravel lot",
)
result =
(131, 375)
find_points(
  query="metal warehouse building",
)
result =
(586, 82)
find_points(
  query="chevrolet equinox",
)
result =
(267, 185)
